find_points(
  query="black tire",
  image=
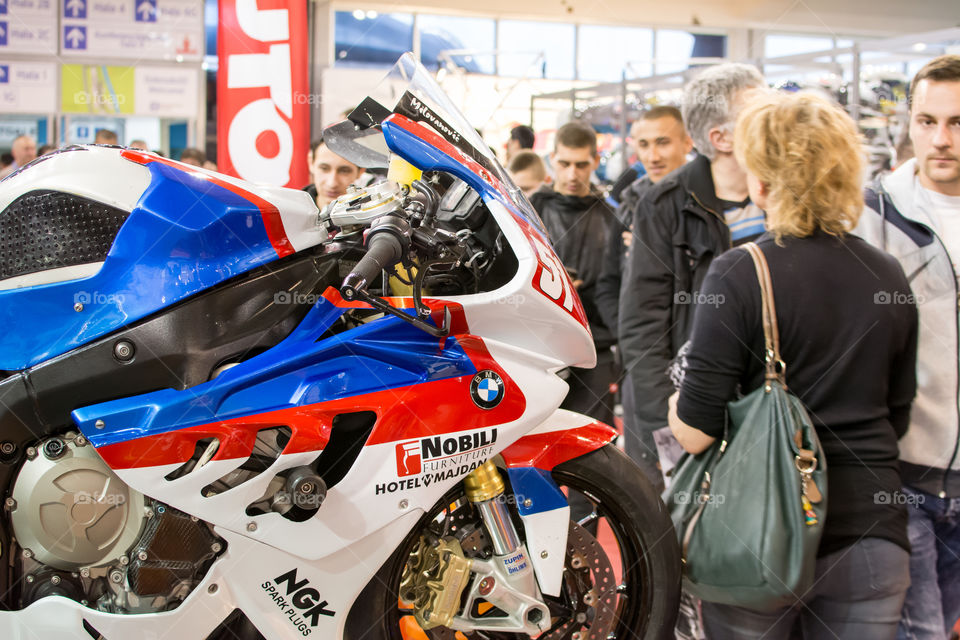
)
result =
(616, 491)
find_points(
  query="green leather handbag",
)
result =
(750, 509)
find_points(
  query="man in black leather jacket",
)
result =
(679, 225)
(577, 218)
(662, 145)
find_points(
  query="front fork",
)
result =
(506, 580)
(503, 594)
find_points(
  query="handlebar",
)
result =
(386, 244)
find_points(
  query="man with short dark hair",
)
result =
(331, 174)
(105, 136)
(914, 214)
(577, 217)
(679, 225)
(527, 171)
(662, 146)
(192, 156)
(521, 137)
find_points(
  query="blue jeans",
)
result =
(858, 594)
(933, 601)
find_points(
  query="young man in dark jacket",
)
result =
(662, 144)
(679, 225)
(577, 218)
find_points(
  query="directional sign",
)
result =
(133, 29)
(146, 11)
(75, 38)
(28, 26)
(75, 9)
(28, 87)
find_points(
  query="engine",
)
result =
(84, 534)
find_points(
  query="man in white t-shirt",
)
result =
(914, 213)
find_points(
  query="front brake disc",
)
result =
(595, 586)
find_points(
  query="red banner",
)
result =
(263, 116)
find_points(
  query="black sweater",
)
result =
(848, 335)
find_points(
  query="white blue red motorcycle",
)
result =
(228, 415)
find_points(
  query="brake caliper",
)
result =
(433, 581)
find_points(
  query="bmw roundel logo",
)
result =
(486, 389)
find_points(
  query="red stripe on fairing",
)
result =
(431, 408)
(332, 295)
(272, 222)
(547, 450)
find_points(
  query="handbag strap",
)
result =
(775, 366)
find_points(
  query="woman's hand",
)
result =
(690, 438)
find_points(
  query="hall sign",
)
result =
(263, 118)
(28, 26)
(138, 29)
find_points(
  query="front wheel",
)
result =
(618, 523)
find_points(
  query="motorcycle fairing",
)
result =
(188, 231)
(417, 385)
(240, 578)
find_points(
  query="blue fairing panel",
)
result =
(535, 490)
(383, 354)
(186, 234)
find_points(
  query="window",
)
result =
(371, 39)
(675, 48)
(787, 45)
(605, 52)
(525, 40)
(443, 33)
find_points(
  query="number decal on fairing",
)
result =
(551, 278)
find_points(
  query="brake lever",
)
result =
(382, 305)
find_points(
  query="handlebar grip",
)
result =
(384, 249)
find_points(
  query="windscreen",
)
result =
(410, 90)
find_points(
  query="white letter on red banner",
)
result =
(263, 128)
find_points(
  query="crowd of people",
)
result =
(866, 281)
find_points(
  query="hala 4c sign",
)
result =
(263, 130)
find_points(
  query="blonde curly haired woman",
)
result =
(848, 330)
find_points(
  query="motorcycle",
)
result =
(226, 414)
